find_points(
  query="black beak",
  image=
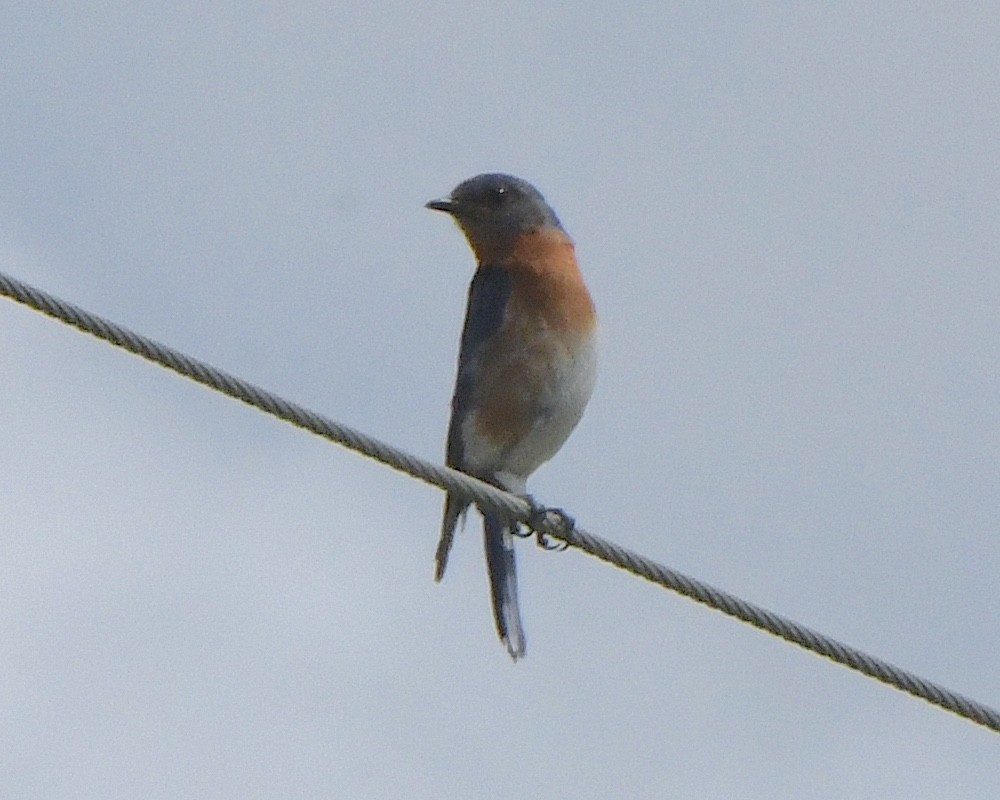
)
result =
(441, 205)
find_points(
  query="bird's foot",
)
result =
(540, 519)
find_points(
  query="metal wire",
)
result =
(549, 524)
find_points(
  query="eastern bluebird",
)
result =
(526, 365)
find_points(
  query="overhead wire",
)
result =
(546, 523)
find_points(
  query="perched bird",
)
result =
(526, 364)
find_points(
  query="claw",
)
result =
(546, 542)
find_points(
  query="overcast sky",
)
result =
(789, 222)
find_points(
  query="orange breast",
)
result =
(547, 282)
(549, 315)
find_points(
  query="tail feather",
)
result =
(502, 568)
(454, 509)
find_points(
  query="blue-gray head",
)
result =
(495, 206)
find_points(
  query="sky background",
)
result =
(788, 217)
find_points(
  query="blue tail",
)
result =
(502, 569)
(454, 510)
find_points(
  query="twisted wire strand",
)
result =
(547, 523)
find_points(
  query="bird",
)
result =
(527, 364)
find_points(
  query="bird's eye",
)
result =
(499, 195)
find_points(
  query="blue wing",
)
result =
(488, 296)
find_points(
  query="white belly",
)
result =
(558, 401)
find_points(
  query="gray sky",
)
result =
(789, 222)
